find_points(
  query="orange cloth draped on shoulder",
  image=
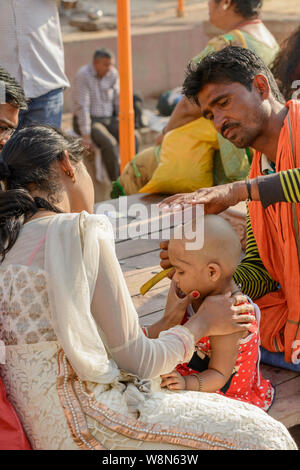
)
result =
(276, 231)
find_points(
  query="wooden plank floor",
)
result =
(139, 260)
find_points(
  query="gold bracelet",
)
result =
(200, 380)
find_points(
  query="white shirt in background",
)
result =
(31, 45)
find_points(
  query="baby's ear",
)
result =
(214, 272)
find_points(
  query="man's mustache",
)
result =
(229, 125)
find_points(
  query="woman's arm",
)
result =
(174, 311)
(118, 323)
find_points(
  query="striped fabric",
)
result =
(251, 274)
(279, 187)
(290, 183)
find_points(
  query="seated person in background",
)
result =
(229, 364)
(96, 96)
(96, 107)
(240, 21)
(243, 27)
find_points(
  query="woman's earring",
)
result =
(225, 7)
(71, 174)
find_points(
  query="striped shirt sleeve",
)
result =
(279, 187)
(251, 274)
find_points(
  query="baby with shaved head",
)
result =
(205, 253)
(208, 266)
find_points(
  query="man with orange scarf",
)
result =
(239, 94)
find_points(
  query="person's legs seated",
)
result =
(276, 359)
(112, 125)
(45, 109)
(108, 145)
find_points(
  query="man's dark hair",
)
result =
(103, 53)
(231, 64)
(246, 8)
(14, 93)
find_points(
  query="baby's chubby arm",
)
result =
(224, 351)
(223, 358)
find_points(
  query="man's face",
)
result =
(9, 117)
(238, 114)
(103, 66)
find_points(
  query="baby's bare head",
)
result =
(207, 266)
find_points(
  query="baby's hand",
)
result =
(173, 381)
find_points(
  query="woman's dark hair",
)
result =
(246, 8)
(26, 161)
(14, 93)
(231, 64)
(287, 63)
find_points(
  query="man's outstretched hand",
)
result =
(215, 199)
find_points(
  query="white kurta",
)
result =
(69, 326)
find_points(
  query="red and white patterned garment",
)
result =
(246, 383)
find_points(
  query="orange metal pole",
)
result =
(180, 8)
(126, 116)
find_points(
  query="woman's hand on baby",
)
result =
(176, 305)
(173, 381)
(220, 314)
(174, 311)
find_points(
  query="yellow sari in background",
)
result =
(223, 162)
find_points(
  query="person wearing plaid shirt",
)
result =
(96, 107)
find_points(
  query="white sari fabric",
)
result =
(80, 259)
(71, 331)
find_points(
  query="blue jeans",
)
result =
(277, 360)
(45, 109)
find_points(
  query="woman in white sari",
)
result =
(71, 331)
